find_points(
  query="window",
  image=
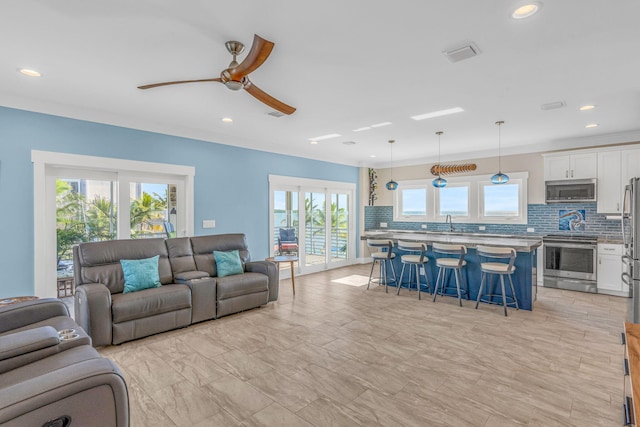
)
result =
(411, 202)
(470, 199)
(504, 203)
(453, 200)
(84, 198)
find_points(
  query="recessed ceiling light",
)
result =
(227, 119)
(313, 142)
(328, 136)
(526, 10)
(372, 155)
(438, 113)
(28, 72)
(379, 125)
(587, 107)
(362, 128)
(592, 125)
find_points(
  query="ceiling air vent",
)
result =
(553, 105)
(461, 53)
(349, 142)
(275, 113)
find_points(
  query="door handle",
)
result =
(566, 174)
(571, 173)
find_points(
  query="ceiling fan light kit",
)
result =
(236, 76)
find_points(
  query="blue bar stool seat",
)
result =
(501, 269)
(416, 259)
(382, 253)
(450, 263)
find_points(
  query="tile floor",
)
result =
(341, 355)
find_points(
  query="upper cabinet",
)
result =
(630, 167)
(609, 182)
(570, 166)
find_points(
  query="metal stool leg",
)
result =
(435, 291)
(373, 264)
(484, 278)
(504, 296)
(457, 276)
(401, 276)
(513, 292)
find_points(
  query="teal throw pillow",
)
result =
(228, 263)
(140, 274)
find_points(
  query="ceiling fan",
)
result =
(236, 76)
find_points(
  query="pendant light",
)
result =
(499, 178)
(439, 182)
(391, 185)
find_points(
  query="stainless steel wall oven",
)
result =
(570, 262)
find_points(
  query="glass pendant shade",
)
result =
(439, 182)
(391, 185)
(499, 178)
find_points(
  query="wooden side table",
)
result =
(286, 258)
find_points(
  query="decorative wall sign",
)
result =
(571, 220)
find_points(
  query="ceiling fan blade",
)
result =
(265, 98)
(179, 82)
(260, 51)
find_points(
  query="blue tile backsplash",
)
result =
(545, 219)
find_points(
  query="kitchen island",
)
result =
(524, 277)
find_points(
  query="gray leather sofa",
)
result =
(191, 291)
(49, 381)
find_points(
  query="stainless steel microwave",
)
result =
(571, 190)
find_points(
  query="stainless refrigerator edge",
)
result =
(631, 239)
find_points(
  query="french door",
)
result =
(84, 199)
(321, 214)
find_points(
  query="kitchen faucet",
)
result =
(450, 222)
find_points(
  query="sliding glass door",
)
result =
(317, 215)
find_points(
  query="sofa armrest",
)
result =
(186, 276)
(24, 347)
(89, 392)
(28, 312)
(93, 312)
(203, 294)
(271, 271)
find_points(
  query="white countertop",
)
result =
(471, 240)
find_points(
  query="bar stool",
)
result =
(447, 264)
(383, 258)
(501, 269)
(417, 258)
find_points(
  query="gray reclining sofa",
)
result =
(191, 290)
(49, 379)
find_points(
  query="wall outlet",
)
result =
(530, 229)
(208, 223)
(482, 228)
(423, 226)
(383, 225)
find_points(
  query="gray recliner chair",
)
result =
(54, 380)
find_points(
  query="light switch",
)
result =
(383, 225)
(209, 223)
(482, 228)
(530, 229)
(423, 226)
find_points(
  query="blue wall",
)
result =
(231, 184)
(543, 218)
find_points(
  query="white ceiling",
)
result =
(343, 65)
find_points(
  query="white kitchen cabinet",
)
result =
(609, 182)
(571, 166)
(609, 270)
(630, 165)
